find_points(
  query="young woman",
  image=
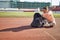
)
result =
(48, 15)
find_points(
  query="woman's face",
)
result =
(45, 10)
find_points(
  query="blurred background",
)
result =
(28, 6)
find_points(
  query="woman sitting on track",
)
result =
(43, 20)
(48, 15)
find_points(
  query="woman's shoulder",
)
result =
(50, 12)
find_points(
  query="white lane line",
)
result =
(50, 35)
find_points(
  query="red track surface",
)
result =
(19, 29)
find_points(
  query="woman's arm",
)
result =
(53, 19)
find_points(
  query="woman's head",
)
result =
(45, 9)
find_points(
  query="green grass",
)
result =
(56, 15)
(21, 14)
(16, 14)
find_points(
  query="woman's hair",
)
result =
(46, 8)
